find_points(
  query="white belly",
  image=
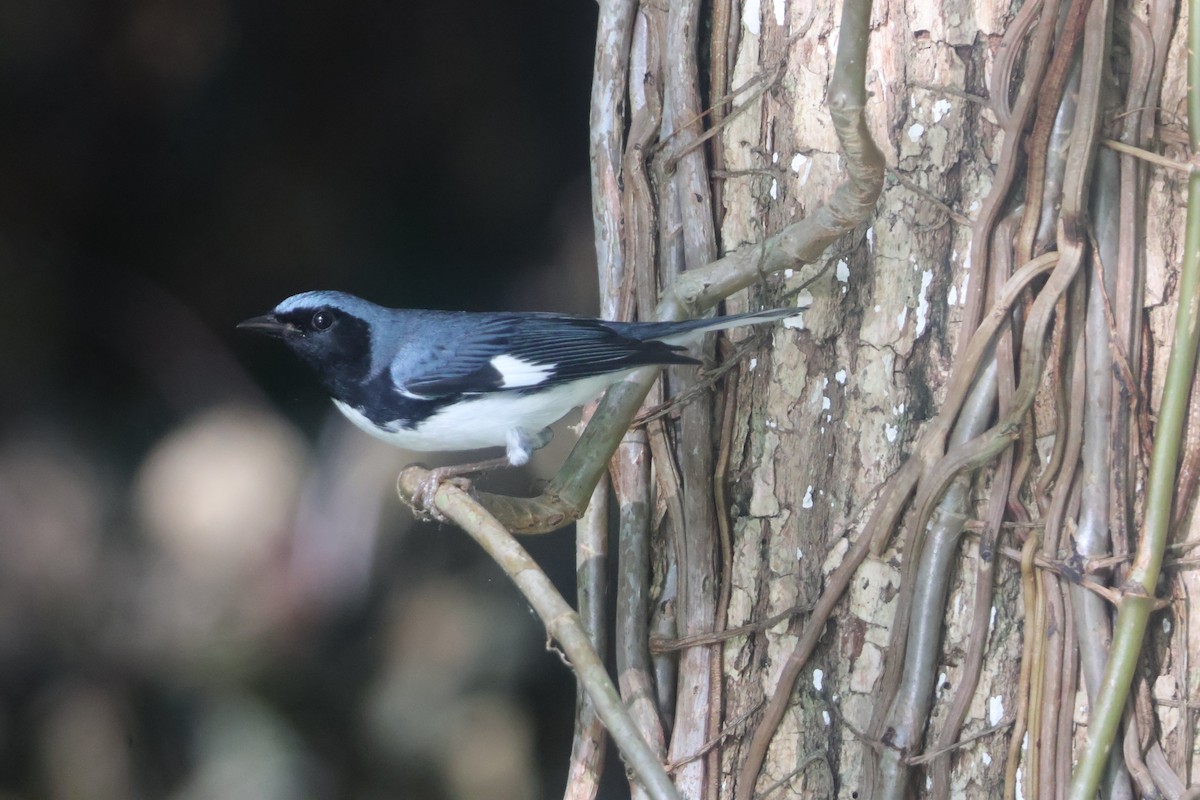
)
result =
(485, 421)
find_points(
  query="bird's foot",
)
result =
(424, 496)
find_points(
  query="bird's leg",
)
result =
(519, 448)
(521, 444)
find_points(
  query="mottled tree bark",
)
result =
(876, 553)
(832, 408)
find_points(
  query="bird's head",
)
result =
(329, 331)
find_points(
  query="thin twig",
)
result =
(961, 219)
(1149, 157)
(930, 755)
(713, 743)
(699, 639)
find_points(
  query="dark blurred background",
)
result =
(207, 586)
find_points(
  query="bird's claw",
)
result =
(424, 498)
(425, 486)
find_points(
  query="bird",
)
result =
(456, 380)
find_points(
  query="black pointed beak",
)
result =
(267, 324)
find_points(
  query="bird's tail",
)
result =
(692, 329)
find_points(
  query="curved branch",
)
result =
(561, 621)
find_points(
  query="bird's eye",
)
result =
(322, 320)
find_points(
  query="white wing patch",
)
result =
(515, 373)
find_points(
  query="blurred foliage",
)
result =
(207, 588)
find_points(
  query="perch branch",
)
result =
(561, 621)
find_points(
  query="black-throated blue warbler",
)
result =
(456, 380)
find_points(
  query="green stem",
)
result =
(1138, 602)
(1193, 76)
(1139, 590)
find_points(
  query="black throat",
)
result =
(340, 357)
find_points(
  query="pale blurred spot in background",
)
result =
(208, 588)
(218, 493)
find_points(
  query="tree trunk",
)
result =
(808, 467)
(833, 410)
(829, 415)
